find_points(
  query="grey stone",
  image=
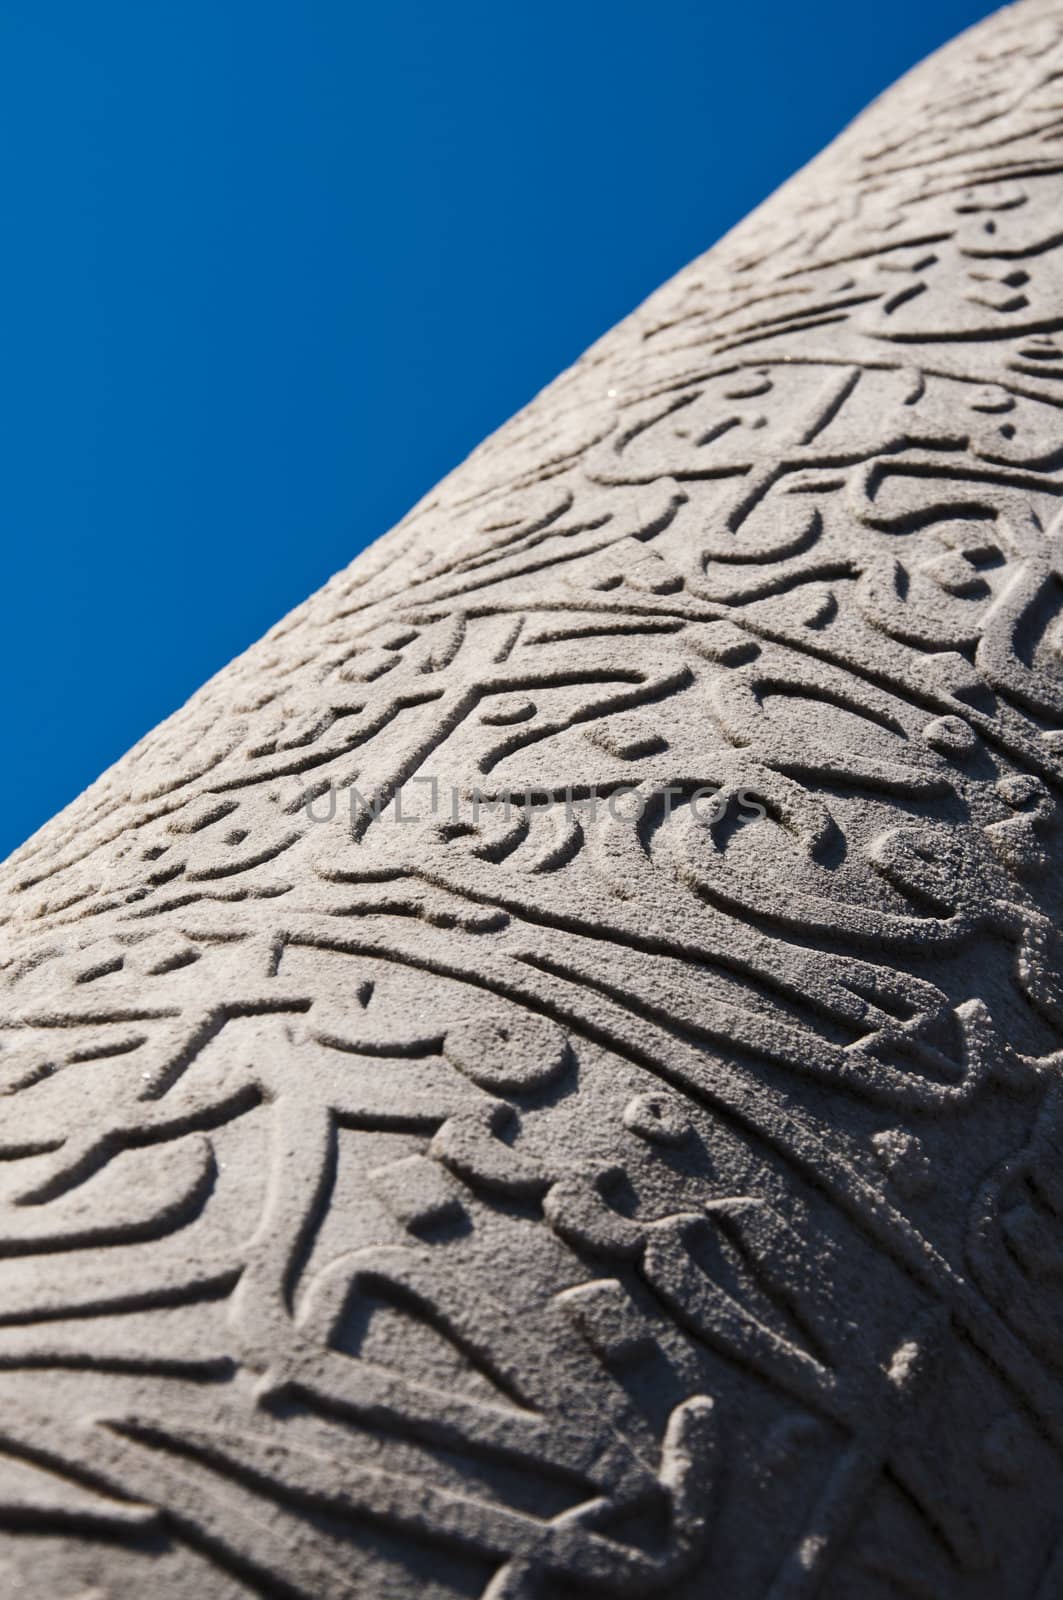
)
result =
(654, 1188)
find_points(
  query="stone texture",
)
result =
(650, 1199)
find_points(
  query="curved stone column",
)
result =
(544, 1078)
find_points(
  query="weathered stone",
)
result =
(653, 1188)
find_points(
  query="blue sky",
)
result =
(268, 270)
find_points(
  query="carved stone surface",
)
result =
(637, 1194)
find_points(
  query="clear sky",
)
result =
(269, 268)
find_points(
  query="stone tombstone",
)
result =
(545, 1078)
